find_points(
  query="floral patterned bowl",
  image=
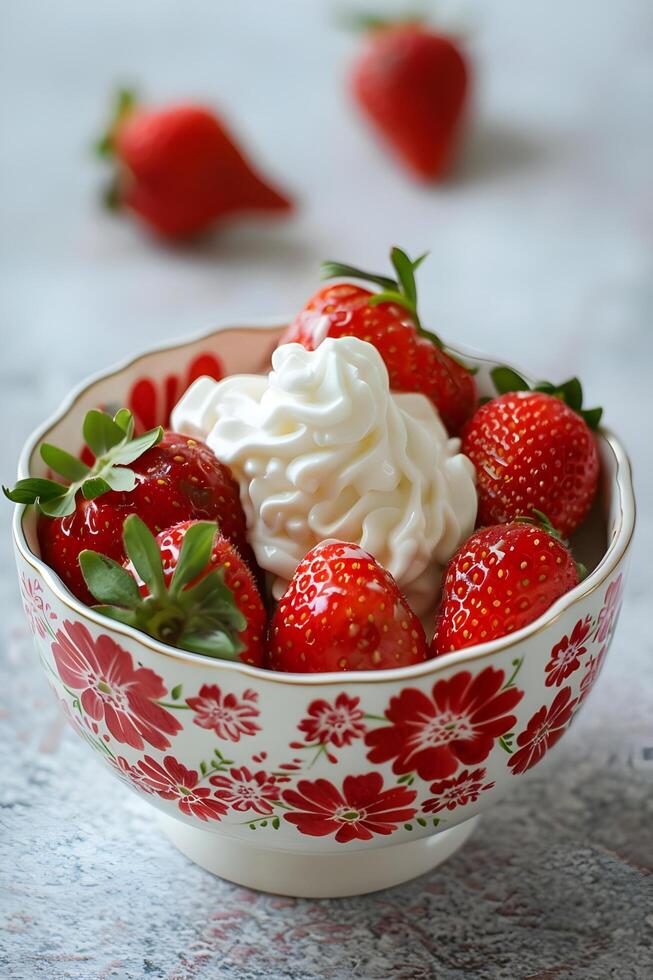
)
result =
(315, 785)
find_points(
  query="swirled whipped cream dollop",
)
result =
(321, 448)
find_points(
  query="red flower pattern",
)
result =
(112, 689)
(450, 793)
(361, 810)
(610, 610)
(243, 790)
(457, 724)
(339, 723)
(565, 655)
(131, 775)
(224, 713)
(152, 402)
(36, 608)
(172, 781)
(544, 729)
(594, 665)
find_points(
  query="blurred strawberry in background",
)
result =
(413, 84)
(179, 169)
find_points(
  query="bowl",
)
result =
(303, 784)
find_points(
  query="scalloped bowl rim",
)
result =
(615, 551)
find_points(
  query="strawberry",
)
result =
(534, 450)
(170, 478)
(342, 611)
(188, 587)
(412, 83)
(502, 578)
(179, 170)
(415, 357)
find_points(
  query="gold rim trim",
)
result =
(614, 555)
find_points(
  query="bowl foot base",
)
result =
(303, 874)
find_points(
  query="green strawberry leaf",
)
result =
(338, 270)
(570, 392)
(402, 290)
(120, 478)
(592, 416)
(70, 467)
(101, 433)
(94, 487)
(200, 616)
(33, 488)
(111, 442)
(108, 581)
(125, 420)
(505, 380)
(134, 448)
(194, 556)
(61, 506)
(125, 616)
(141, 546)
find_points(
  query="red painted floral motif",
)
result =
(244, 790)
(131, 775)
(450, 793)
(544, 729)
(172, 781)
(611, 605)
(224, 713)
(152, 402)
(338, 723)
(358, 812)
(594, 665)
(111, 689)
(459, 723)
(36, 608)
(565, 655)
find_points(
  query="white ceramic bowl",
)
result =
(305, 784)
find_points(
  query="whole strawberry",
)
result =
(412, 83)
(534, 450)
(415, 357)
(342, 611)
(188, 587)
(179, 169)
(502, 578)
(162, 476)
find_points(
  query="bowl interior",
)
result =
(246, 349)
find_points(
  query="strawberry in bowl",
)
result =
(322, 765)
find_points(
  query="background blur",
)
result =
(541, 253)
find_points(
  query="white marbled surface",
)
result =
(542, 251)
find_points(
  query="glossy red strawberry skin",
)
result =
(179, 479)
(342, 612)
(412, 84)
(414, 363)
(531, 451)
(503, 578)
(237, 577)
(181, 171)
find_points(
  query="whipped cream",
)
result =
(321, 448)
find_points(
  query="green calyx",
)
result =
(201, 616)
(105, 147)
(570, 392)
(112, 442)
(540, 520)
(401, 290)
(123, 106)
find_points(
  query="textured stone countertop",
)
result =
(542, 251)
